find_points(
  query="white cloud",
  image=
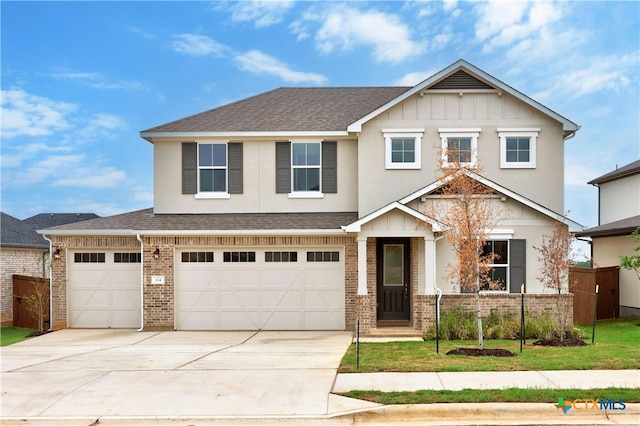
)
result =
(24, 114)
(259, 63)
(141, 32)
(84, 177)
(345, 28)
(198, 45)
(262, 13)
(96, 80)
(27, 151)
(412, 78)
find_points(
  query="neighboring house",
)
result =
(618, 217)
(25, 252)
(304, 208)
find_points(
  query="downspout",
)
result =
(50, 282)
(141, 282)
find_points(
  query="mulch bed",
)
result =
(556, 342)
(481, 352)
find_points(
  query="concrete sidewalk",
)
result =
(561, 379)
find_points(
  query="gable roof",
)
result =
(145, 222)
(357, 225)
(320, 109)
(624, 171)
(47, 220)
(461, 75)
(17, 233)
(573, 226)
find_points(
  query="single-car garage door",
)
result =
(260, 289)
(104, 289)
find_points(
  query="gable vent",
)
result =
(460, 80)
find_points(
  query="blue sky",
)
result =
(81, 79)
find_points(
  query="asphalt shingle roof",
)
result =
(47, 220)
(289, 109)
(16, 233)
(146, 220)
(628, 170)
(619, 227)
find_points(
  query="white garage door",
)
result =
(260, 289)
(104, 289)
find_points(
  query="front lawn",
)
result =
(617, 346)
(10, 335)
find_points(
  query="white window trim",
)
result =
(406, 134)
(472, 133)
(504, 237)
(202, 195)
(306, 194)
(505, 133)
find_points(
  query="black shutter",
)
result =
(189, 167)
(517, 265)
(283, 167)
(235, 167)
(329, 167)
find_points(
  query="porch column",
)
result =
(362, 266)
(429, 265)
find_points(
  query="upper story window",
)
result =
(459, 146)
(518, 148)
(212, 170)
(306, 169)
(403, 148)
(212, 167)
(305, 166)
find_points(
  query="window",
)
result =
(212, 168)
(197, 256)
(281, 256)
(127, 258)
(323, 256)
(239, 256)
(89, 258)
(500, 266)
(459, 146)
(305, 167)
(403, 148)
(518, 148)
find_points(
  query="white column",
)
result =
(429, 265)
(362, 266)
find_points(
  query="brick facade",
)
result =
(159, 305)
(19, 261)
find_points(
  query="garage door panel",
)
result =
(262, 295)
(104, 294)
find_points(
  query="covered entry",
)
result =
(393, 279)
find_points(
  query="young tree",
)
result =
(555, 260)
(465, 208)
(632, 263)
(38, 300)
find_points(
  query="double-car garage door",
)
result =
(264, 289)
(215, 289)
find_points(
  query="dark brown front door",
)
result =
(393, 279)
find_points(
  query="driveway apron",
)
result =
(124, 373)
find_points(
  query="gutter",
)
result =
(203, 232)
(139, 238)
(50, 282)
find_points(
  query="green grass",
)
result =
(10, 335)
(494, 395)
(617, 346)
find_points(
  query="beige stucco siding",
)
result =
(259, 194)
(486, 111)
(619, 199)
(607, 252)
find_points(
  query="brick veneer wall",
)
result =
(21, 262)
(158, 302)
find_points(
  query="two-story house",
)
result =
(304, 208)
(618, 217)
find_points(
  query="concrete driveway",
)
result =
(90, 374)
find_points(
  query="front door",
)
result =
(393, 279)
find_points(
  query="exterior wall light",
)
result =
(56, 253)
(156, 253)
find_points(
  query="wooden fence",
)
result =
(24, 286)
(583, 287)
